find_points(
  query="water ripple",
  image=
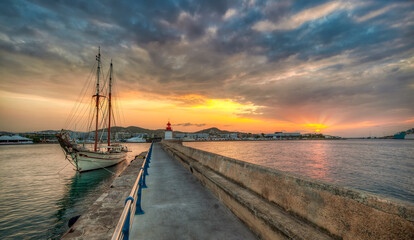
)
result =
(36, 200)
(384, 167)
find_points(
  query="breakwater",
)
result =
(278, 205)
(100, 220)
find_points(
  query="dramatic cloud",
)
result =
(261, 65)
(298, 19)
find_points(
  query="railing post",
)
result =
(144, 185)
(149, 154)
(124, 223)
(125, 229)
(138, 209)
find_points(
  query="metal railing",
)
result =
(133, 201)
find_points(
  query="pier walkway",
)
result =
(178, 206)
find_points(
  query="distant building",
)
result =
(229, 136)
(331, 137)
(409, 134)
(168, 132)
(15, 140)
(281, 135)
(122, 135)
(192, 136)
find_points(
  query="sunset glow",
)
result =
(315, 126)
(334, 67)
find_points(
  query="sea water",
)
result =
(40, 191)
(383, 167)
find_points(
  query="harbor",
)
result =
(207, 119)
(40, 191)
(85, 192)
(184, 207)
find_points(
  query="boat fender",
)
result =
(73, 220)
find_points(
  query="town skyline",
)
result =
(342, 68)
(212, 130)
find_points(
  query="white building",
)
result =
(281, 135)
(193, 136)
(15, 140)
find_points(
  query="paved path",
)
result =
(178, 206)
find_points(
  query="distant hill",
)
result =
(214, 131)
(5, 133)
(134, 130)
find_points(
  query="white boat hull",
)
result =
(87, 161)
(136, 140)
(409, 136)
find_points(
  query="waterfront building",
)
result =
(168, 132)
(16, 139)
(229, 136)
(193, 136)
(281, 135)
(409, 136)
(331, 137)
(123, 135)
(139, 138)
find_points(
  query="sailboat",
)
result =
(87, 159)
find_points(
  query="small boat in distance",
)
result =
(85, 158)
(137, 139)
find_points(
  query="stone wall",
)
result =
(335, 212)
(100, 220)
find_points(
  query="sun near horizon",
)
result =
(341, 68)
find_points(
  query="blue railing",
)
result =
(133, 202)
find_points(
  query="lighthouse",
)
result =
(168, 132)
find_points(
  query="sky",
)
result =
(341, 68)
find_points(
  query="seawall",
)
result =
(100, 220)
(279, 205)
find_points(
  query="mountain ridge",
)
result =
(135, 129)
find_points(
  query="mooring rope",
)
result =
(63, 167)
(103, 167)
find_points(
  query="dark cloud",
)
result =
(357, 58)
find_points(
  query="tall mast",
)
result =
(98, 58)
(109, 106)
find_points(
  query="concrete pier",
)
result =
(178, 206)
(280, 205)
(100, 220)
(193, 194)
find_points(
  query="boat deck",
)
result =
(178, 206)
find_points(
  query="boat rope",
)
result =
(63, 167)
(104, 168)
(73, 116)
(69, 161)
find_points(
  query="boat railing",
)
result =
(133, 201)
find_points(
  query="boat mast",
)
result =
(109, 106)
(98, 58)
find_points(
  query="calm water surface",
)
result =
(384, 167)
(40, 191)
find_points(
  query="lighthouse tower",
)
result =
(168, 132)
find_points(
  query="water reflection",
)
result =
(382, 167)
(81, 190)
(40, 191)
(317, 166)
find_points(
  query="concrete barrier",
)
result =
(290, 206)
(100, 220)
